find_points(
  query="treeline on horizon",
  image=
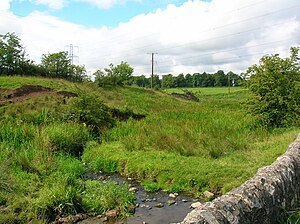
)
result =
(14, 61)
(218, 79)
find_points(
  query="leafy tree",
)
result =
(275, 88)
(188, 80)
(196, 80)
(156, 82)
(78, 73)
(220, 78)
(102, 79)
(12, 55)
(236, 80)
(180, 81)
(141, 81)
(57, 65)
(168, 81)
(207, 80)
(114, 75)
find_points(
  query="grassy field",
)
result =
(179, 146)
(208, 90)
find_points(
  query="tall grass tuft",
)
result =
(69, 138)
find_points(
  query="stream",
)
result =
(153, 208)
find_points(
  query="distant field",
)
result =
(214, 92)
(208, 90)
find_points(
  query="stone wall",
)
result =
(262, 199)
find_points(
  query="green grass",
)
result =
(41, 140)
(216, 92)
(180, 146)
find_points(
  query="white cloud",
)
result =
(53, 4)
(5, 5)
(194, 37)
(8, 21)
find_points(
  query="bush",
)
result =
(90, 111)
(275, 89)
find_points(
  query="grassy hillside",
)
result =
(180, 145)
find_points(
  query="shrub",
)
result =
(89, 110)
(275, 89)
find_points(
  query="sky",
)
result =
(185, 36)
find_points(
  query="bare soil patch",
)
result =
(25, 92)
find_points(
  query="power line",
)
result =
(229, 50)
(161, 50)
(198, 42)
(221, 27)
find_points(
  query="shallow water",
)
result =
(147, 212)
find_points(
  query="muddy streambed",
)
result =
(152, 208)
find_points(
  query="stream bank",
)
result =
(151, 208)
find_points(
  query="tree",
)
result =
(220, 78)
(12, 55)
(156, 82)
(114, 75)
(180, 81)
(275, 90)
(196, 79)
(78, 73)
(207, 80)
(188, 80)
(141, 81)
(168, 81)
(58, 65)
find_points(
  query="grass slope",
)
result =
(40, 141)
(180, 146)
(187, 146)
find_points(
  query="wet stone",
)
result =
(208, 194)
(171, 202)
(133, 189)
(159, 205)
(196, 205)
(173, 195)
(145, 206)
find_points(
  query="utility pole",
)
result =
(228, 84)
(152, 68)
(71, 52)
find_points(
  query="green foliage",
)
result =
(218, 79)
(12, 55)
(67, 137)
(16, 135)
(89, 110)
(275, 88)
(151, 186)
(114, 75)
(179, 146)
(57, 64)
(101, 197)
(40, 176)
